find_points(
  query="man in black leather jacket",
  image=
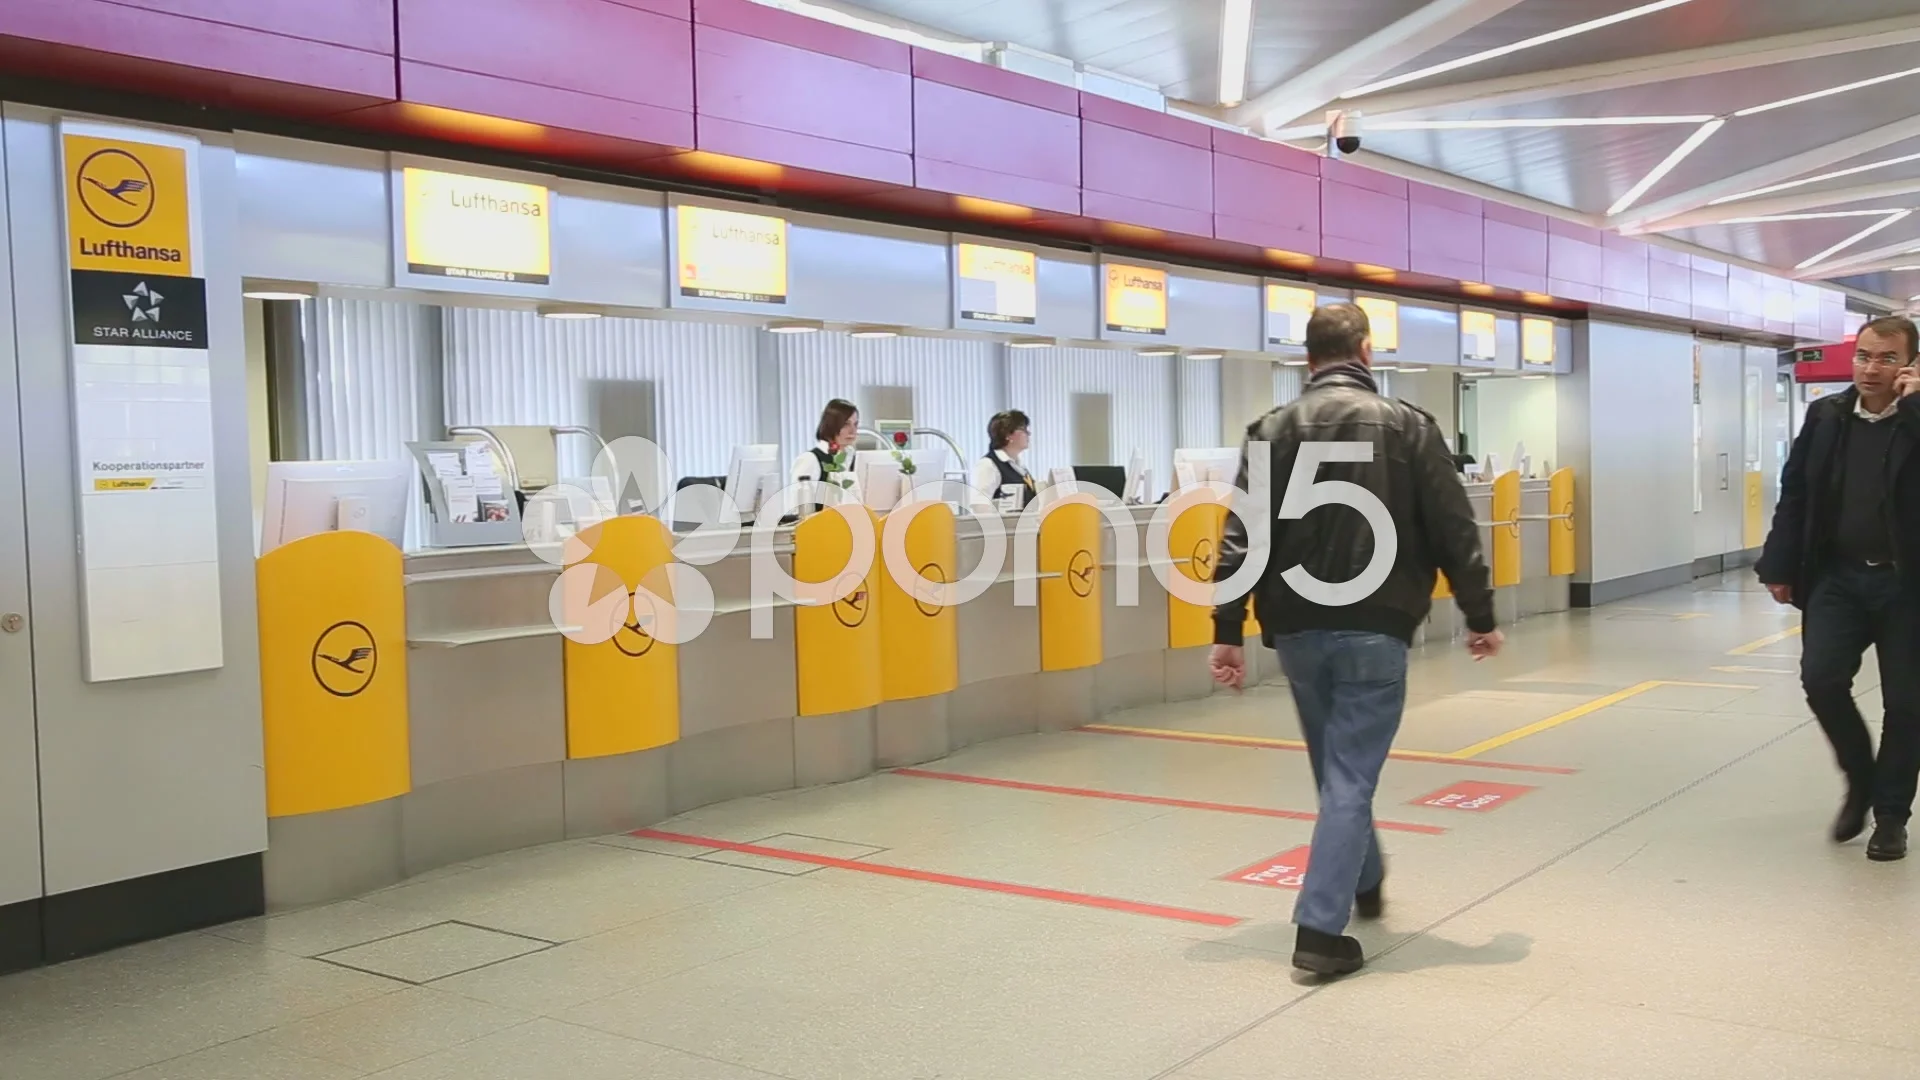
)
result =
(1344, 587)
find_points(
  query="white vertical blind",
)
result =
(1042, 383)
(362, 378)
(513, 367)
(954, 383)
(1199, 403)
(1287, 383)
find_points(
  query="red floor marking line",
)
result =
(1152, 800)
(1275, 744)
(1109, 903)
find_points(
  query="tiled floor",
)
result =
(1648, 896)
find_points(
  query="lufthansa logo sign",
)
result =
(935, 576)
(851, 609)
(116, 188)
(345, 658)
(1080, 571)
(632, 639)
(1201, 561)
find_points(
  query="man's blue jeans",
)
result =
(1350, 688)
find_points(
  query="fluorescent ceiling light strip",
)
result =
(1661, 170)
(1536, 122)
(1829, 92)
(1507, 50)
(1824, 216)
(1236, 34)
(1835, 175)
(1897, 215)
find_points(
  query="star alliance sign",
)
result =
(150, 297)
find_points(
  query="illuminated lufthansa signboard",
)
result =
(1136, 299)
(477, 228)
(728, 255)
(998, 284)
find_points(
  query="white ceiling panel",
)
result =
(1780, 243)
(1583, 169)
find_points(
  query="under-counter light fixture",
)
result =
(1475, 374)
(1834, 175)
(1531, 378)
(1660, 171)
(1158, 350)
(872, 332)
(1508, 50)
(1829, 92)
(796, 326)
(1293, 363)
(1206, 354)
(1413, 370)
(1236, 40)
(568, 311)
(1892, 218)
(1031, 343)
(280, 290)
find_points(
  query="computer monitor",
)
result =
(308, 497)
(1197, 466)
(1136, 491)
(878, 474)
(753, 473)
(1110, 478)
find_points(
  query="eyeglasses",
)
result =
(1885, 360)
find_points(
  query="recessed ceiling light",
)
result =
(1829, 92)
(1206, 354)
(1531, 378)
(1475, 374)
(1159, 350)
(1236, 34)
(279, 290)
(1536, 122)
(1835, 175)
(1508, 50)
(1672, 162)
(1899, 215)
(871, 332)
(568, 311)
(795, 326)
(1412, 370)
(1293, 363)
(1031, 343)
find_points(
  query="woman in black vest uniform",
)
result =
(839, 429)
(1007, 439)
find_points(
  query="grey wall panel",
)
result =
(1221, 311)
(1429, 336)
(19, 779)
(1633, 391)
(1717, 527)
(513, 367)
(609, 245)
(155, 774)
(312, 212)
(860, 272)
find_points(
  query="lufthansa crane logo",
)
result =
(851, 608)
(1201, 561)
(116, 188)
(632, 638)
(924, 595)
(1080, 571)
(345, 658)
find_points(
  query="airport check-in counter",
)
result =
(469, 724)
(1526, 531)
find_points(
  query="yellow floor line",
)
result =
(1579, 711)
(1737, 669)
(1752, 647)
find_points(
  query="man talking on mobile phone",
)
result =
(1370, 507)
(1845, 550)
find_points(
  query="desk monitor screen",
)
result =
(1110, 478)
(753, 473)
(879, 477)
(308, 497)
(1220, 463)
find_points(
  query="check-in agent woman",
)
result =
(839, 429)
(999, 475)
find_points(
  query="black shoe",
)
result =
(1853, 818)
(1326, 954)
(1888, 843)
(1371, 904)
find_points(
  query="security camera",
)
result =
(1343, 131)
